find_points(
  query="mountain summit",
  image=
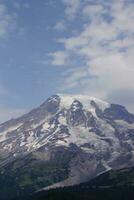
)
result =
(67, 140)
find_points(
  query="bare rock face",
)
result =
(67, 140)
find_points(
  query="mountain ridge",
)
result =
(65, 141)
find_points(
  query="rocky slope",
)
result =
(112, 185)
(67, 140)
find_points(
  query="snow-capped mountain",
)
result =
(67, 140)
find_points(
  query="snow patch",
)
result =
(62, 120)
(125, 124)
(46, 126)
(67, 100)
(8, 130)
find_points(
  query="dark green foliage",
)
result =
(115, 178)
(22, 178)
(85, 193)
(113, 185)
(27, 175)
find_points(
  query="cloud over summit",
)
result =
(106, 45)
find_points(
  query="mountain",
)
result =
(112, 185)
(67, 140)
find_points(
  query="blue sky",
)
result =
(65, 46)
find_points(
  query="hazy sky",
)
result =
(65, 46)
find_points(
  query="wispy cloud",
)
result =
(58, 58)
(73, 78)
(60, 26)
(72, 7)
(7, 21)
(18, 5)
(106, 45)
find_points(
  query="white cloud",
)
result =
(93, 10)
(106, 44)
(113, 72)
(59, 58)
